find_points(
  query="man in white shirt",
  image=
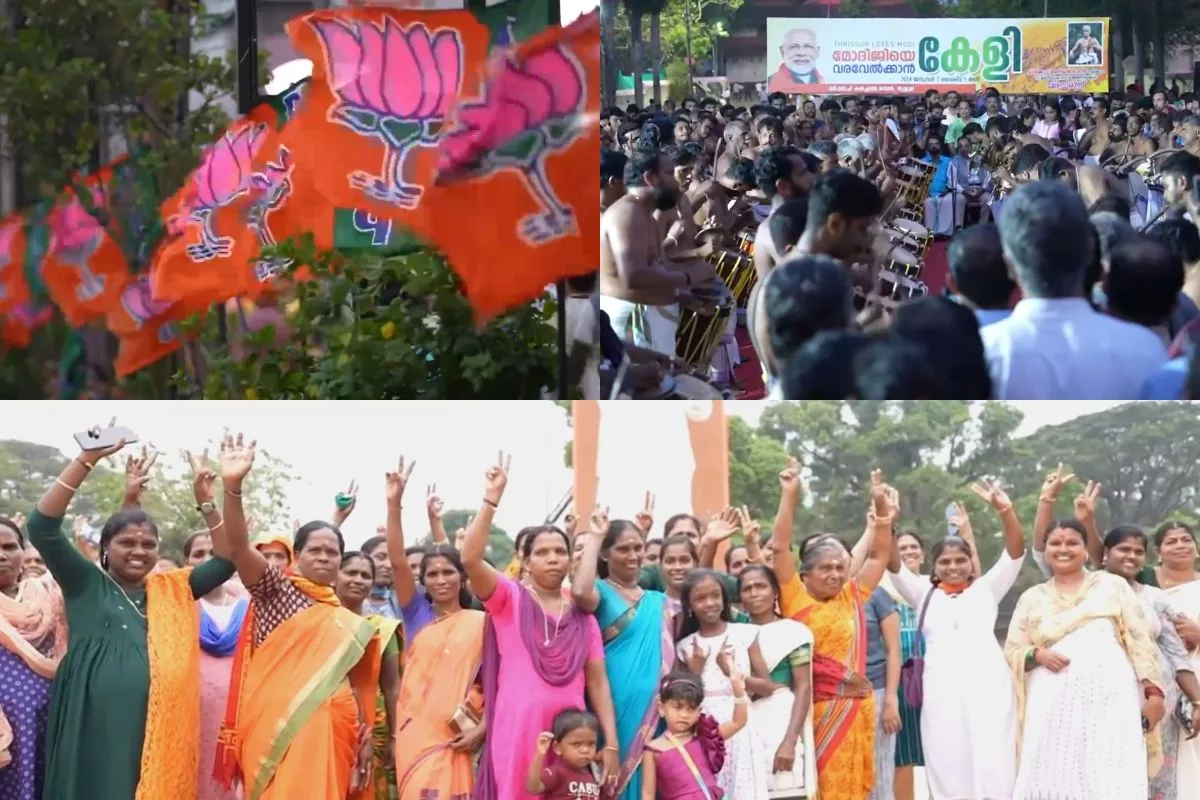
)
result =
(1055, 346)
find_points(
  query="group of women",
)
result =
(258, 671)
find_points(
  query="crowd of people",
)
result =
(1073, 255)
(608, 659)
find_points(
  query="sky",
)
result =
(644, 447)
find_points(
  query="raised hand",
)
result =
(880, 495)
(725, 658)
(204, 479)
(137, 474)
(496, 478)
(721, 526)
(237, 458)
(394, 482)
(598, 523)
(1054, 483)
(961, 520)
(544, 740)
(993, 495)
(644, 519)
(738, 679)
(697, 658)
(751, 529)
(92, 457)
(340, 513)
(1085, 503)
(789, 479)
(433, 504)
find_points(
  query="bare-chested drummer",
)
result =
(640, 290)
(736, 145)
(781, 174)
(1087, 50)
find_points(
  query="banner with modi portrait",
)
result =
(909, 56)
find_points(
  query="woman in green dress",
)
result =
(124, 711)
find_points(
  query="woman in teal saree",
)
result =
(636, 625)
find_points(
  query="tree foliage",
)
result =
(28, 469)
(1146, 456)
(499, 547)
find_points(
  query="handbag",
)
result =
(912, 672)
(465, 719)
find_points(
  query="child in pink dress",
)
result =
(683, 763)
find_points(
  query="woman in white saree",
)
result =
(1088, 681)
(783, 718)
(1180, 582)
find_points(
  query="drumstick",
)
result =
(1154, 219)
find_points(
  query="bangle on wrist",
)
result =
(66, 485)
(1153, 691)
(741, 700)
(83, 464)
(232, 493)
(490, 503)
(613, 748)
(1044, 499)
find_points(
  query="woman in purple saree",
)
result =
(635, 625)
(540, 653)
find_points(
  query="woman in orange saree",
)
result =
(441, 668)
(827, 598)
(302, 696)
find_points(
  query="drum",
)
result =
(689, 387)
(700, 331)
(915, 229)
(905, 263)
(736, 271)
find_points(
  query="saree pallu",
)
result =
(1186, 599)
(843, 723)
(440, 669)
(777, 642)
(301, 700)
(383, 767)
(638, 653)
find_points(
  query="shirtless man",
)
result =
(781, 174)
(640, 289)
(1087, 50)
(1095, 140)
(737, 142)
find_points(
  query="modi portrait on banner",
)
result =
(799, 52)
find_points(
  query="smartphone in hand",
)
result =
(951, 516)
(104, 438)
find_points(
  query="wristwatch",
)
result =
(207, 507)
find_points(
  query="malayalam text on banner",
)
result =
(909, 56)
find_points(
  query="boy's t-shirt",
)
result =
(564, 783)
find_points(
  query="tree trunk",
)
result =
(639, 56)
(608, 51)
(656, 58)
(1159, 42)
(1139, 55)
(1117, 49)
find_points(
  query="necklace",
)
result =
(132, 604)
(631, 594)
(546, 639)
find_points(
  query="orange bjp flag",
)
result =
(19, 323)
(14, 290)
(156, 340)
(708, 431)
(229, 209)
(519, 167)
(384, 82)
(85, 269)
(585, 454)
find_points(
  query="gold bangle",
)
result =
(613, 748)
(219, 524)
(232, 493)
(66, 485)
(83, 464)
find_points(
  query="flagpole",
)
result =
(554, 18)
(247, 91)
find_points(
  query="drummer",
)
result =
(842, 211)
(781, 174)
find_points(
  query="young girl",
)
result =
(712, 646)
(683, 763)
(570, 777)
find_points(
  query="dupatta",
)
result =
(27, 622)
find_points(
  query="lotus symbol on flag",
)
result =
(529, 110)
(272, 185)
(74, 237)
(222, 177)
(396, 84)
(139, 302)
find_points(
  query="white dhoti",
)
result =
(944, 214)
(652, 327)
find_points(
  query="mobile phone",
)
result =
(343, 501)
(951, 515)
(103, 438)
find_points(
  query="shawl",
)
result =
(34, 620)
(222, 643)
